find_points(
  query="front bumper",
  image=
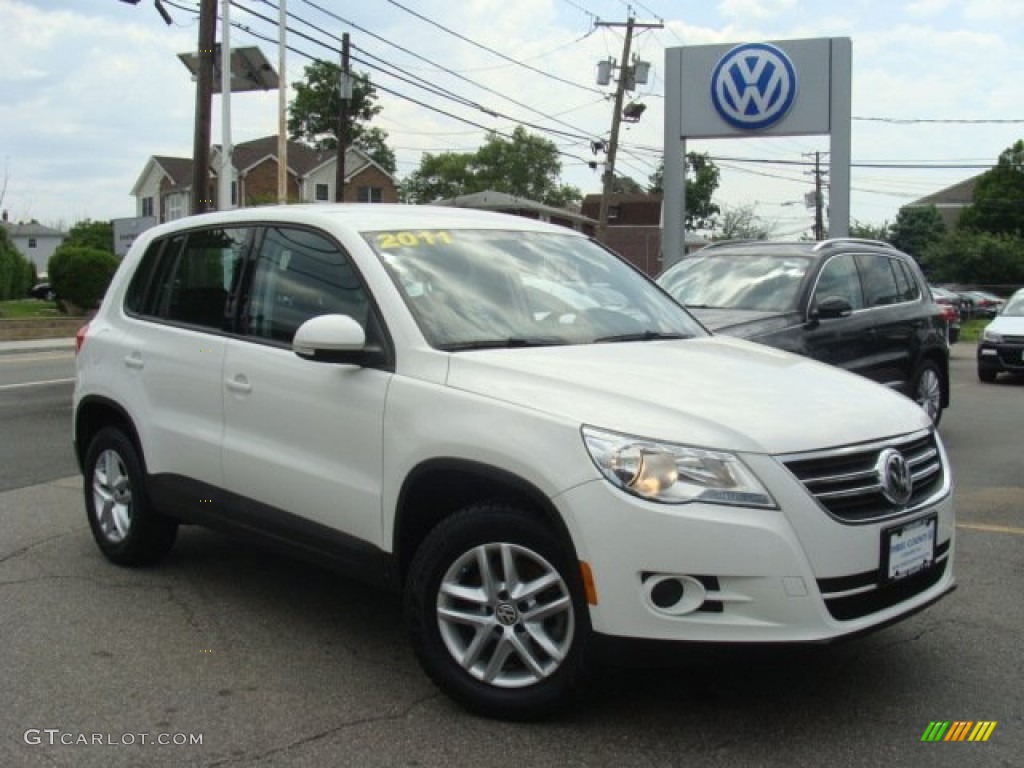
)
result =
(1006, 357)
(795, 574)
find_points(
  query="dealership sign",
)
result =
(753, 86)
(757, 89)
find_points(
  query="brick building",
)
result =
(164, 188)
(634, 228)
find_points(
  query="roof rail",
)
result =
(861, 240)
(736, 241)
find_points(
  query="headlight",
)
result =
(991, 336)
(674, 474)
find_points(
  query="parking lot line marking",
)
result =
(26, 384)
(991, 528)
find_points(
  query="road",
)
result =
(35, 418)
(274, 663)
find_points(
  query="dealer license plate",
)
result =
(908, 548)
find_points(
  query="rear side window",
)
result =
(905, 282)
(879, 280)
(299, 275)
(188, 278)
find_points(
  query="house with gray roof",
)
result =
(950, 202)
(163, 189)
(34, 241)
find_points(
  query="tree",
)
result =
(702, 177)
(313, 113)
(916, 229)
(90, 234)
(526, 166)
(998, 205)
(741, 222)
(976, 258)
(16, 272)
(624, 185)
(870, 231)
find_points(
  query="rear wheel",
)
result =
(126, 527)
(928, 390)
(496, 614)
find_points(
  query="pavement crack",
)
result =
(190, 615)
(404, 713)
(29, 547)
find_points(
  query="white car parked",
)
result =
(370, 388)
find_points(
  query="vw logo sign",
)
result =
(753, 86)
(894, 477)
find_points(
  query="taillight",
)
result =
(80, 337)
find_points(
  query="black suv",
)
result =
(859, 304)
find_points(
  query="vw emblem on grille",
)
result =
(753, 86)
(507, 614)
(894, 476)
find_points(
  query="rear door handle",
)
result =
(239, 384)
(134, 360)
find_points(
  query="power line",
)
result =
(415, 80)
(397, 94)
(432, 63)
(490, 50)
(959, 121)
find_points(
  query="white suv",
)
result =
(510, 425)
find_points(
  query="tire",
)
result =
(928, 390)
(987, 375)
(126, 527)
(478, 643)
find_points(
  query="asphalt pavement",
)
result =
(237, 657)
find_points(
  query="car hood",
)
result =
(1007, 326)
(715, 392)
(744, 323)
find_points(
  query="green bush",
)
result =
(80, 275)
(57, 268)
(16, 272)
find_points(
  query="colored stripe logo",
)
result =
(958, 730)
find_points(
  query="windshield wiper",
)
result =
(511, 343)
(643, 336)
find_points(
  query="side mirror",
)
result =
(831, 307)
(332, 339)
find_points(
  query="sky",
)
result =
(90, 89)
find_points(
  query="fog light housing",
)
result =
(672, 594)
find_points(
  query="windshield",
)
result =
(768, 282)
(485, 288)
(1015, 306)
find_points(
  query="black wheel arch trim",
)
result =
(483, 481)
(90, 403)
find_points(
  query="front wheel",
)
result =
(928, 390)
(495, 611)
(987, 375)
(126, 527)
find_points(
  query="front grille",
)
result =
(846, 481)
(1010, 357)
(1013, 339)
(879, 595)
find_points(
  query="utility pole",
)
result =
(224, 186)
(819, 199)
(345, 92)
(282, 103)
(201, 201)
(626, 81)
